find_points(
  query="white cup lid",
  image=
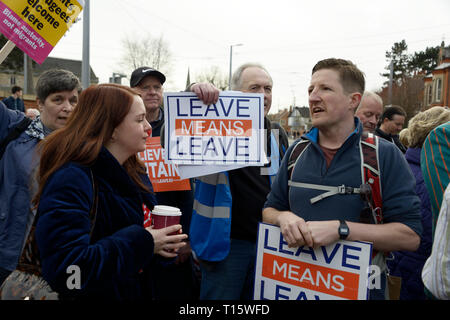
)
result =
(166, 211)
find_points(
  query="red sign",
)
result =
(164, 177)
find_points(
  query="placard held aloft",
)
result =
(229, 132)
(36, 26)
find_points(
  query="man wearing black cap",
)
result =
(149, 82)
(171, 281)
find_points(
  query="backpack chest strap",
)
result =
(331, 190)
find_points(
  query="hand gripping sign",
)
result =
(339, 271)
(36, 26)
(229, 132)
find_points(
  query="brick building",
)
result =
(294, 121)
(437, 84)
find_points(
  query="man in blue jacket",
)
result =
(309, 216)
(228, 205)
(14, 102)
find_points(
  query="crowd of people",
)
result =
(71, 176)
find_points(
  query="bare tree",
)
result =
(408, 95)
(147, 51)
(215, 76)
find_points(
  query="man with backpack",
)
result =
(323, 192)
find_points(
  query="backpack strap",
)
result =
(370, 172)
(281, 136)
(332, 190)
(297, 151)
(295, 155)
(14, 134)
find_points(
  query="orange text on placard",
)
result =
(213, 127)
(309, 276)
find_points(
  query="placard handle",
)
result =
(6, 50)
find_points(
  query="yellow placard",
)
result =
(50, 18)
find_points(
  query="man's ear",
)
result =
(355, 100)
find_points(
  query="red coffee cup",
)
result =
(165, 216)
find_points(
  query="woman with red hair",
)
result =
(113, 251)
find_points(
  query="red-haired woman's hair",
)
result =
(100, 109)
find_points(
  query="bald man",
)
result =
(370, 110)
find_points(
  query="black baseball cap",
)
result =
(142, 72)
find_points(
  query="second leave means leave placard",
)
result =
(334, 272)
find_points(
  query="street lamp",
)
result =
(85, 64)
(231, 62)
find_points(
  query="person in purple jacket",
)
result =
(406, 264)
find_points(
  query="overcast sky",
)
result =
(287, 36)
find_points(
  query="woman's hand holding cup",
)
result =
(167, 241)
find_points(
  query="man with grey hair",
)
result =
(254, 78)
(370, 110)
(228, 207)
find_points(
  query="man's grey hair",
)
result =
(368, 94)
(236, 79)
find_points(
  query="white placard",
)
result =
(230, 132)
(339, 271)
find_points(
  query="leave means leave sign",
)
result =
(339, 271)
